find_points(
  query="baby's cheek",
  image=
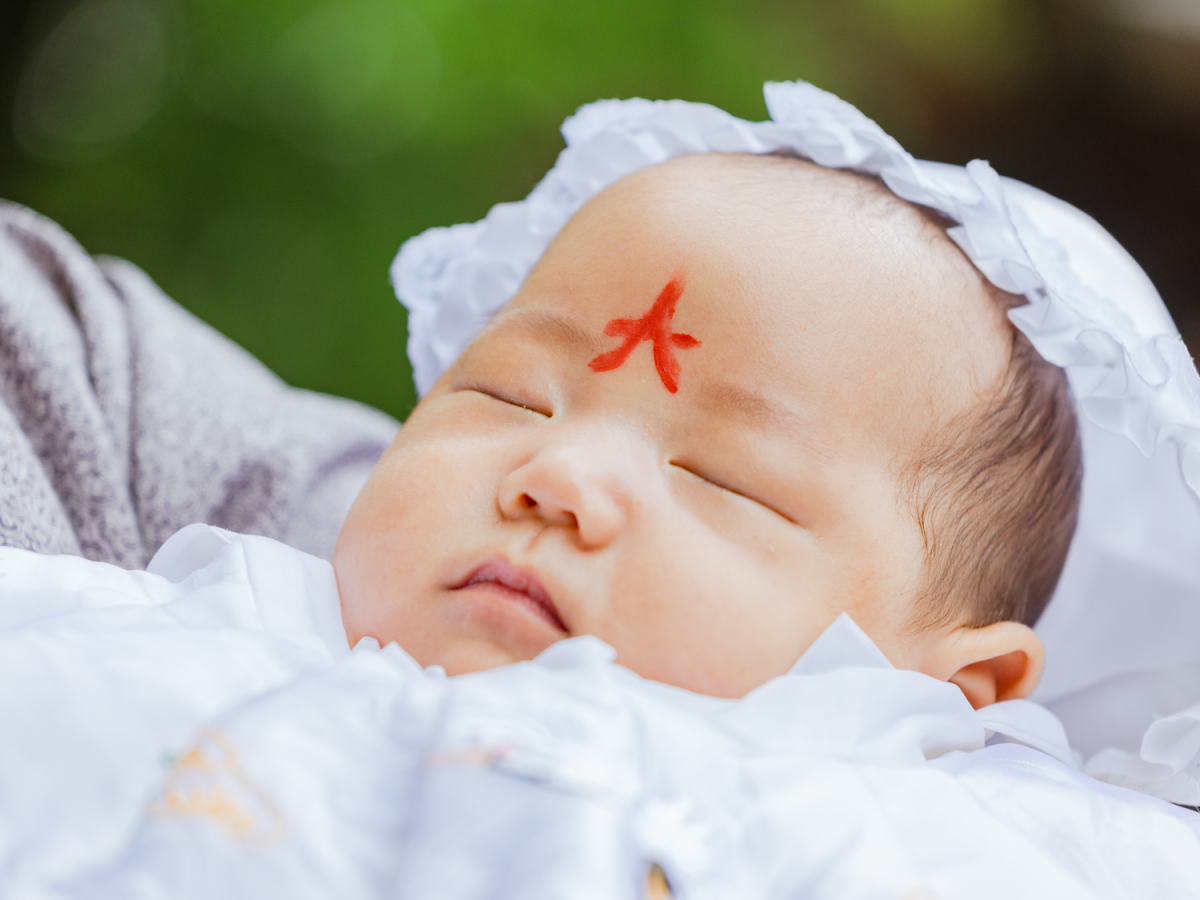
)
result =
(878, 581)
(427, 499)
(422, 492)
(710, 614)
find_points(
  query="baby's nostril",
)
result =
(528, 502)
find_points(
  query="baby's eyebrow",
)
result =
(552, 325)
(763, 414)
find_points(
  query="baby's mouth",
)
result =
(518, 585)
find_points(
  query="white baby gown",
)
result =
(203, 730)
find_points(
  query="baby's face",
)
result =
(683, 436)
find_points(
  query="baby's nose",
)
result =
(569, 485)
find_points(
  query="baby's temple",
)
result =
(782, 516)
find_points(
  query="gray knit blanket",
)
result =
(124, 418)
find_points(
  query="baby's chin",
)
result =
(469, 656)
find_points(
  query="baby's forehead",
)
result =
(783, 215)
(778, 210)
(788, 183)
(786, 269)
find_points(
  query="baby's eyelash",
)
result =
(511, 401)
(724, 487)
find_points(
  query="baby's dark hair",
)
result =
(995, 490)
(996, 493)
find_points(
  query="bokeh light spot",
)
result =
(352, 80)
(92, 82)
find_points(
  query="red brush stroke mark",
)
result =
(654, 326)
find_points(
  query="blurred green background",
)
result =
(263, 160)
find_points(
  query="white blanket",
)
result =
(202, 730)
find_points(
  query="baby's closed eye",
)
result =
(511, 398)
(701, 474)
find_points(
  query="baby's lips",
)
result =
(500, 572)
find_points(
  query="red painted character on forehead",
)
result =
(654, 326)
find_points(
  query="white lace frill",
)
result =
(1129, 600)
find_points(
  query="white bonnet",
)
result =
(1129, 599)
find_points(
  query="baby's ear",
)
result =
(996, 662)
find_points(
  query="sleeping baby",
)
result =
(708, 564)
(738, 396)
